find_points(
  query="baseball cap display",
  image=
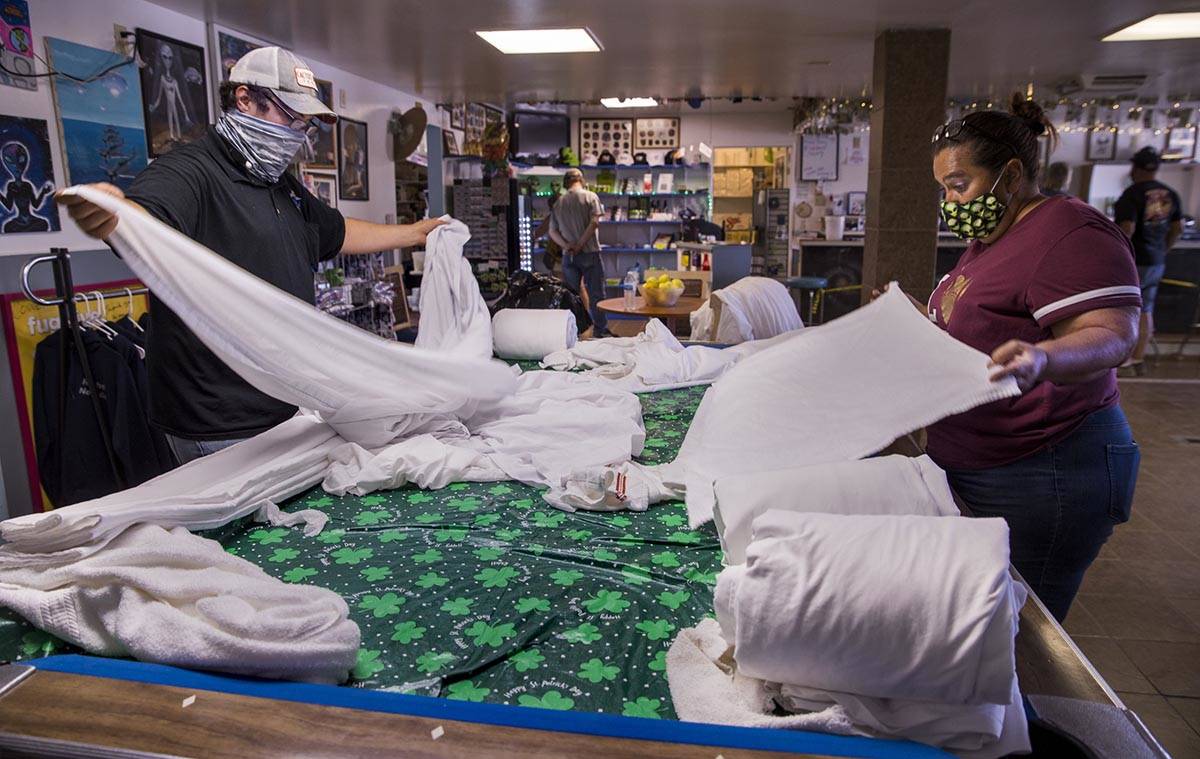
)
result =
(1147, 158)
(289, 79)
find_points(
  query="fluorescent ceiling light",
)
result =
(1161, 26)
(628, 102)
(527, 41)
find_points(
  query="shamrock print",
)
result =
(629, 539)
(266, 537)
(483, 634)
(658, 629)
(459, 486)
(659, 662)
(580, 535)
(233, 551)
(524, 503)
(329, 537)
(708, 578)
(500, 490)
(431, 580)
(672, 520)
(464, 504)
(523, 661)
(689, 538)
(319, 503)
(428, 518)
(595, 670)
(489, 554)
(459, 607)
(566, 577)
(371, 501)
(366, 664)
(429, 556)
(465, 690)
(665, 559)
(375, 574)
(643, 707)
(369, 518)
(619, 521)
(352, 555)
(486, 520)
(673, 600)
(603, 554)
(419, 498)
(635, 575)
(606, 600)
(298, 574)
(454, 535)
(392, 536)
(552, 700)
(507, 534)
(537, 549)
(431, 661)
(585, 633)
(37, 643)
(496, 578)
(527, 605)
(407, 632)
(382, 606)
(283, 554)
(542, 519)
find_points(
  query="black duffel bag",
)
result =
(527, 289)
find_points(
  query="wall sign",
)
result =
(818, 157)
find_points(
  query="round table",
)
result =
(683, 307)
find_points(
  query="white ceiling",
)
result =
(670, 48)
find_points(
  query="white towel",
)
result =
(901, 607)
(755, 308)
(531, 333)
(170, 597)
(884, 485)
(454, 318)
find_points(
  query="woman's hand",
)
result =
(91, 218)
(1023, 361)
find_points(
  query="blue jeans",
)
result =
(590, 269)
(187, 450)
(1061, 503)
(1151, 278)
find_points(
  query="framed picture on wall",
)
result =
(353, 165)
(449, 143)
(656, 134)
(322, 184)
(599, 135)
(30, 192)
(322, 142)
(1102, 143)
(818, 157)
(856, 203)
(492, 116)
(1181, 144)
(226, 46)
(174, 91)
(458, 115)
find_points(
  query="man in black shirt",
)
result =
(1149, 212)
(230, 192)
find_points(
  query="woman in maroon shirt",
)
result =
(1048, 288)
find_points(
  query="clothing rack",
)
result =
(64, 299)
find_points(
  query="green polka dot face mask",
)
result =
(975, 218)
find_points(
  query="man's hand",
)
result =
(1020, 360)
(426, 226)
(91, 218)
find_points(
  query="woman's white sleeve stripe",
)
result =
(1103, 292)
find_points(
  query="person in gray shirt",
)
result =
(575, 226)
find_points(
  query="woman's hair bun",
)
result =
(1031, 113)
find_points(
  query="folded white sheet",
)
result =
(885, 485)
(755, 308)
(170, 597)
(532, 333)
(891, 607)
(454, 318)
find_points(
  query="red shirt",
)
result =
(1062, 259)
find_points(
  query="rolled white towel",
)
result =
(532, 333)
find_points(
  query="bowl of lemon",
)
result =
(661, 290)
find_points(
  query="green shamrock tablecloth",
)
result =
(484, 592)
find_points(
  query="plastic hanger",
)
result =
(129, 313)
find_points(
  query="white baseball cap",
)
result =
(286, 76)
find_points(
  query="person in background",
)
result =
(230, 191)
(575, 226)
(1048, 289)
(1149, 213)
(552, 255)
(1056, 179)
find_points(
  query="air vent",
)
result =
(1113, 82)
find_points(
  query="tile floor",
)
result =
(1137, 616)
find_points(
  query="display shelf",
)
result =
(648, 194)
(610, 167)
(646, 222)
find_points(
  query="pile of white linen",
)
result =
(905, 623)
(532, 333)
(753, 308)
(453, 315)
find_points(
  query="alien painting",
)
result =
(99, 99)
(26, 177)
(174, 94)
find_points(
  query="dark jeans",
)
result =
(589, 268)
(1061, 503)
(188, 450)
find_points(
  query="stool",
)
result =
(814, 287)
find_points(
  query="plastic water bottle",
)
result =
(630, 287)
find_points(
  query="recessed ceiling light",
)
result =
(1161, 26)
(628, 102)
(528, 41)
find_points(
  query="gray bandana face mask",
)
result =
(268, 148)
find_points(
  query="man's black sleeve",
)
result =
(170, 189)
(330, 224)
